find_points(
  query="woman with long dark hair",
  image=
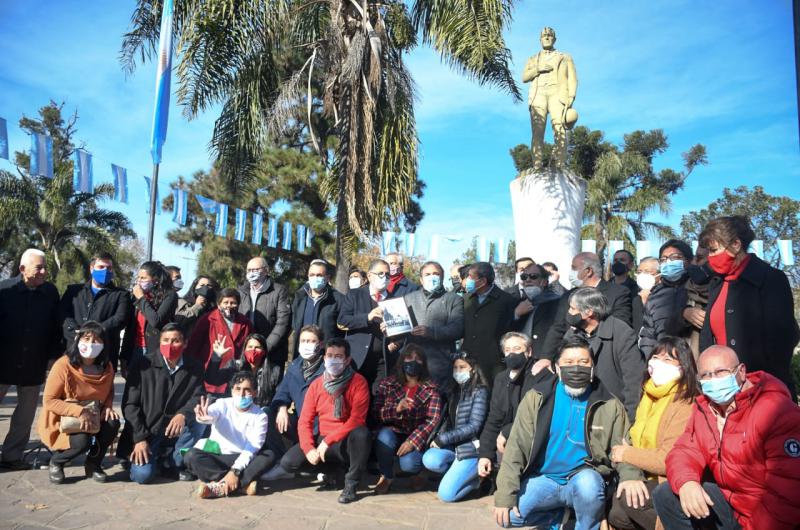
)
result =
(198, 300)
(670, 388)
(409, 408)
(77, 412)
(454, 451)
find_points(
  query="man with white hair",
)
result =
(30, 335)
(399, 285)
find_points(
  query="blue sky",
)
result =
(718, 73)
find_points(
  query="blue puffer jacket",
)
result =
(470, 414)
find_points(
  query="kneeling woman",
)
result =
(409, 408)
(454, 451)
(76, 413)
(661, 418)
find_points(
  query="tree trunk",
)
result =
(342, 256)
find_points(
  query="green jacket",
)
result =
(606, 425)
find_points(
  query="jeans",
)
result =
(668, 507)
(144, 474)
(386, 451)
(542, 500)
(80, 442)
(19, 431)
(460, 476)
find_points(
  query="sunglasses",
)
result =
(525, 276)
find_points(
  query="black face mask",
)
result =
(576, 376)
(515, 361)
(412, 368)
(574, 320)
(456, 285)
(204, 291)
(619, 268)
(699, 274)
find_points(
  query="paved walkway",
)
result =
(28, 500)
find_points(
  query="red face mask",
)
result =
(254, 355)
(721, 263)
(171, 352)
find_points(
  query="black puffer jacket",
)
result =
(658, 320)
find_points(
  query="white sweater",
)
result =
(237, 431)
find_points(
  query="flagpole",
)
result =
(152, 221)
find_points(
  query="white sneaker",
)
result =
(276, 473)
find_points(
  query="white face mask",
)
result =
(307, 350)
(432, 282)
(645, 281)
(354, 283)
(90, 350)
(532, 291)
(663, 373)
(379, 284)
(574, 280)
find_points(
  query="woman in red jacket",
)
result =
(218, 340)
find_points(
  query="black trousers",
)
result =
(668, 506)
(624, 517)
(210, 467)
(350, 453)
(79, 443)
(278, 442)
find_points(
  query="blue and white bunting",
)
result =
(209, 206)
(614, 246)
(241, 224)
(482, 250)
(272, 232)
(41, 155)
(301, 238)
(309, 237)
(258, 227)
(757, 248)
(786, 251)
(387, 243)
(179, 206)
(221, 224)
(433, 251)
(147, 181)
(82, 173)
(588, 245)
(3, 139)
(695, 244)
(410, 244)
(287, 236)
(501, 251)
(163, 79)
(643, 250)
(120, 175)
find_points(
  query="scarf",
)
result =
(394, 280)
(310, 366)
(335, 386)
(648, 415)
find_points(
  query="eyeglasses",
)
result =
(672, 257)
(379, 274)
(716, 374)
(525, 276)
(259, 269)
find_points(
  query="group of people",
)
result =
(662, 398)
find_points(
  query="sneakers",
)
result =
(382, 486)
(348, 494)
(212, 490)
(186, 476)
(56, 473)
(328, 483)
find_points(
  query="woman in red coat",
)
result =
(218, 339)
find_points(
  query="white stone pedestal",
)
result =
(548, 214)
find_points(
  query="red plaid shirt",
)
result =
(419, 421)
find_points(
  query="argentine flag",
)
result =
(287, 236)
(410, 244)
(120, 183)
(179, 206)
(82, 171)
(433, 251)
(3, 139)
(387, 243)
(163, 76)
(501, 251)
(241, 224)
(483, 249)
(258, 227)
(41, 155)
(272, 233)
(301, 238)
(209, 206)
(221, 226)
(786, 252)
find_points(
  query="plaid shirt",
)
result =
(419, 421)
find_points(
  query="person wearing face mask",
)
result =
(668, 297)
(154, 303)
(199, 300)
(519, 267)
(357, 278)
(30, 334)
(361, 320)
(175, 276)
(647, 277)
(690, 321)
(744, 431)
(332, 427)
(558, 453)
(316, 303)
(453, 453)
(455, 278)
(231, 458)
(619, 363)
(254, 359)
(669, 391)
(81, 385)
(399, 285)
(750, 304)
(158, 405)
(439, 316)
(488, 314)
(621, 267)
(99, 300)
(218, 340)
(408, 407)
(586, 271)
(266, 303)
(535, 314)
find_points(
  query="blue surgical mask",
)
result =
(461, 377)
(243, 402)
(102, 276)
(317, 282)
(432, 282)
(469, 286)
(672, 270)
(722, 389)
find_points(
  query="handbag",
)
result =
(72, 424)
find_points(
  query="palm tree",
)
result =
(334, 66)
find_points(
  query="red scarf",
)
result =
(394, 280)
(717, 316)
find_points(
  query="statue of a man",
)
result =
(553, 86)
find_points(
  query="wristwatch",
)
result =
(236, 472)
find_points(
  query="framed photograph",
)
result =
(396, 316)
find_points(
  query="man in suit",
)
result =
(316, 303)
(586, 271)
(488, 314)
(519, 267)
(535, 314)
(399, 285)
